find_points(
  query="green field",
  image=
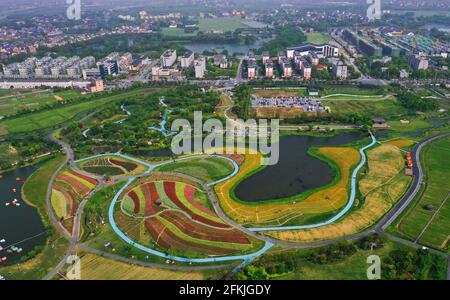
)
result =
(317, 37)
(414, 125)
(20, 100)
(176, 32)
(223, 24)
(385, 108)
(206, 169)
(436, 190)
(53, 117)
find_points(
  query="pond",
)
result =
(296, 171)
(20, 225)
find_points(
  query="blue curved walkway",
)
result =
(246, 258)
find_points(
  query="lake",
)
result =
(19, 225)
(296, 171)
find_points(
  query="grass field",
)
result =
(354, 267)
(414, 125)
(436, 190)
(223, 24)
(34, 192)
(387, 108)
(321, 202)
(381, 186)
(10, 104)
(206, 169)
(50, 118)
(317, 37)
(176, 32)
(96, 267)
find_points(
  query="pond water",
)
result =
(296, 171)
(20, 226)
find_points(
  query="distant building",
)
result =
(251, 69)
(269, 69)
(265, 57)
(340, 70)
(306, 70)
(96, 86)
(187, 59)
(200, 67)
(313, 58)
(322, 50)
(108, 68)
(287, 69)
(418, 62)
(168, 58)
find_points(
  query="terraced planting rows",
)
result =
(68, 190)
(168, 213)
(111, 166)
(327, 200)
(207, 169)
(381, 187)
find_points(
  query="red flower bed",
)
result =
(189, 192)
(77, 186)
(87, 178)
(204, 232)
(167, 239)
(169, 188)
(136, 202)
(148, 200)
(129, 166)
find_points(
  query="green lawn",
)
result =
(317, 37)
(223, 24)
(414, 125)
(176, 32)
(20, 100)
(53, 117)
(436, 189)
(206, 169)
(379, 108)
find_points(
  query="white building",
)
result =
(168, 58)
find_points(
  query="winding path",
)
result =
(269, 242)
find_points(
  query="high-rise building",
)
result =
(200, 67)
(168, 58)
(187, 59)
(269, 69)
(251, 69)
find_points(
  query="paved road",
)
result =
(413, 189)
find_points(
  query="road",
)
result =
(414, 187)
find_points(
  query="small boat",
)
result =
(9, 251)
(4, 259)
(2, 240)
(14, 248)
(7, 204)
(14, 190)
(1, 248)
(17, 178)
(19, 250)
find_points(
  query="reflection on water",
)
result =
(20, 226)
